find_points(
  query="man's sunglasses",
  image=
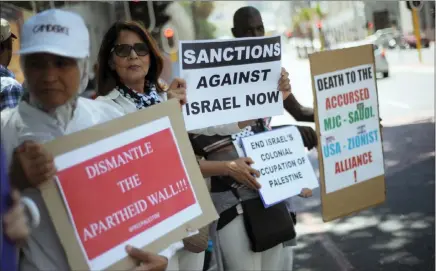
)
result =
(123, 50)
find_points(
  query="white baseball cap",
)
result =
(55, 31)
(5, 30)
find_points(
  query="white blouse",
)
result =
(123, 104)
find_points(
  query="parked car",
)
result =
(381, 63)
(410, 39)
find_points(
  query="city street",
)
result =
(399, 234)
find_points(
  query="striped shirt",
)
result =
(10, 90)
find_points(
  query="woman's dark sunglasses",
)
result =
(123, 50)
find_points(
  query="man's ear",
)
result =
(234, 32)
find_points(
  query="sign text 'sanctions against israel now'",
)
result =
(230, 81)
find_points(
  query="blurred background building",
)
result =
(319, 23)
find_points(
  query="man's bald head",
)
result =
(247, 22)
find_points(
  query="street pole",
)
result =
(194, 19)
(416, 29)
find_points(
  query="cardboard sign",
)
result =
(281, 159)
(116, 188)
(348, 127)
(230, 80)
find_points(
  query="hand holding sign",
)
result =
(284, 84)
(36, 163)
(177, 90)
(241, 171)
(306, 193)
(15, 222)
(147, 261)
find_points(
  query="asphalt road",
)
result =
(398, 235)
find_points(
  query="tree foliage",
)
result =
(200, 12)
(302, 22)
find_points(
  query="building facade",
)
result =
(385, 14)
(344, 22)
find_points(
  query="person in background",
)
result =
(10, 89)
(247, 22)
(228, 237)
(55, 70)
(129, 79)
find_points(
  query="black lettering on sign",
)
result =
(262, 98)
(233, 79)
(329, 82)
(210, 106)
(201, 55)
(51, 28)
(285, 179)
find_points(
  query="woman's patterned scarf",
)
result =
(141, 100)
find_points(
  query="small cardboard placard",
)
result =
(134, 180)
(347, 120)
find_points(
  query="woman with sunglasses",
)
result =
(55, 66)
(130, 66)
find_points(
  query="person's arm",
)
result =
(147, 261)
(17, 175)
(10, 95)
(239, 169)
(213, 168)
(223, 130)
(31, 165)
(15, 221)
(299, 112)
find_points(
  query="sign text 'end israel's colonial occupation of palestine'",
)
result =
(230, 81)
(349, 126)
(281, 159)
(124, 195)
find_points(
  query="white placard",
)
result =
(283, 163)
(230, 80)
(349, 126)
(136, 231)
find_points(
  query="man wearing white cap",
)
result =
(54, 58)
(10, 89)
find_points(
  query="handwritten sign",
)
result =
(126, 195)
(281, 158)
(230, 80)
(349, 126)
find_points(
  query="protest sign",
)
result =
(134, 180)
(347, 120)
(230, 80)
(281, 159)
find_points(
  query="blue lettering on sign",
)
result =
(331, 149)
(362, 139)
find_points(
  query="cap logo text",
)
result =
(51, 28)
